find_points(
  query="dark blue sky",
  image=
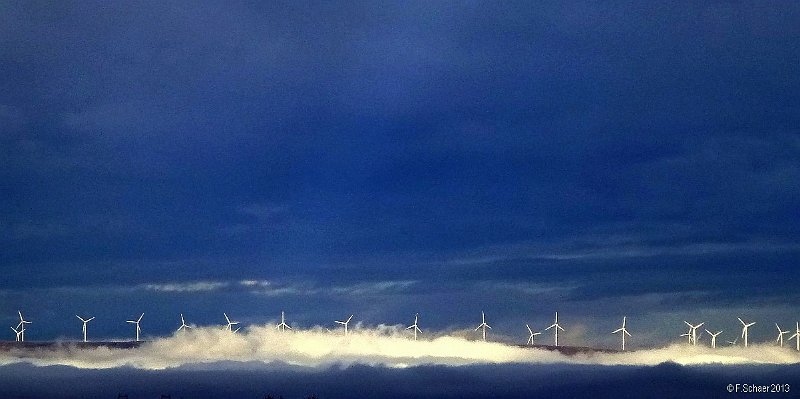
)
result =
(597, 158)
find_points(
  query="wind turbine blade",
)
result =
(741, 321)
(488, 326)
(131, 321)
(140, 318)
(478, 328)
(410, 327)
(90, 319)
(287, 326)
(626, 332)
(529, 329)
(348, 319)
(226, 317)
(551, 326)
(616, 331)
(559, 327)
(687, 323)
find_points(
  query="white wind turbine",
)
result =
(345, 323)
(183, 326)
(693, 332)
(19, 332)
(230, 325)
(557, 327)
(138, 328)
(282, 325)
(21, 326)
(714, 337)
(85, 322)
(532, 335)
(732, 343)
(483, 325)
(796, 335)
(688, 334)
(780, 334)
(415, 326)
(624, 332)
(745, 327)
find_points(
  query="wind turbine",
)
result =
(624, 332)
(693, 332)
(780, 334)
(733, 342)
(21, 326)
(230, 325)
(183, 326)
(282, 325)
(415, 326)
(138, 329)
(688, 334)
(483, 325)
(557, 327)
(19, 332)
(796, 335)
(345, 323)
(714, 337)
(745, 326)
(85, 322)
(532, 335)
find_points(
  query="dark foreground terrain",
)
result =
(256, 380)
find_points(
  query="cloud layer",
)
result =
(385, 346)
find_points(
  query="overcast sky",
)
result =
(599, 159)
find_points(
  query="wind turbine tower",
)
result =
(21, 326)
(345, 323)
(138, 328)
(556, 326)
(624, 332)
(532, 335)
(693, 332)
(745, 327)
(415, 326)
(85, 322)
(282, 325)
(796, 335)
(483, 326)
(780, 334)
(714, 337)
(230, 325)
(19, 333)
(183, 326)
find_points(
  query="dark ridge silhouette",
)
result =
(8, 345)
(571, 350)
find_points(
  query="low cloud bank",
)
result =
(387, 346)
